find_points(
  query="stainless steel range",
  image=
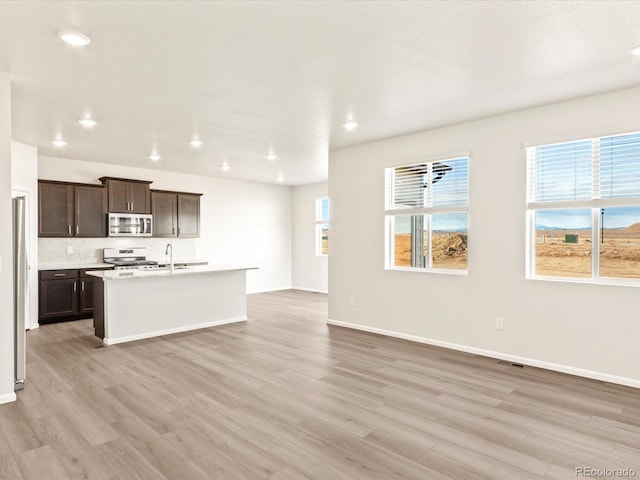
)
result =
(128, 258)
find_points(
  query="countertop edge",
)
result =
(72, 266)
(148, 274)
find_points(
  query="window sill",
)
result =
(445, 271)
(618, 282)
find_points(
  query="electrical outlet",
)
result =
(353, 301)
(499, 323)
(69, 249)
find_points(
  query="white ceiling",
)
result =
(250, 77)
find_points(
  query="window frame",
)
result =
(595, 204)
(391, 213)
(320, 223)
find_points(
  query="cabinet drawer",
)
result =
(58, 274)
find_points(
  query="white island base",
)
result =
(132, 305)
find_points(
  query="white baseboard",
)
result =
(312, 290)
(580, 372)
(169, 331)
(8, 398)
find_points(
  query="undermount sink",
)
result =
(165, 269)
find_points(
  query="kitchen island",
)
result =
(135, 304)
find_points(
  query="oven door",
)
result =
(129, 225)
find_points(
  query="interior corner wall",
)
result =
(6, 246)
(310, 271)
(242, 223)
(584, 329)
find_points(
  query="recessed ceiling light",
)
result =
(58, 142)
(74, 38)
(87, 122)
(350, 125)
(271, 157)
(636, 50)
(225, 167)
(196, 143)
(154, 157)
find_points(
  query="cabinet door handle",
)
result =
(59, 274)
(82, 285)
(69, 229)
(75, 286)
(77, 229)
(173, 230)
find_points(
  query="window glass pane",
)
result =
(322, 210)
(410, 241)
(449, 240)
(620, 242)
(406, 186)
(429, 184)
(620, 166)
(562, 172)
(563, 243)
(450, 183)
(322, 239)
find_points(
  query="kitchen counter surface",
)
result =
(73, 266)
(165, 272)
(180, 261)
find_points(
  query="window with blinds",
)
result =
(583, 200)
(322, 226)
(426, 215)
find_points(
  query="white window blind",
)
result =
(591, 169)
(620, 166)
(561, 172)
(428, 185)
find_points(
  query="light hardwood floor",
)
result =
(285, 397)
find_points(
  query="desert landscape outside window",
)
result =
(322, 226)
(427, 214)
(584, 209)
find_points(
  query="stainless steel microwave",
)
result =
(130, 225)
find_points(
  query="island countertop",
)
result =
(165, 272)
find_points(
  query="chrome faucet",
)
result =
(169, 251)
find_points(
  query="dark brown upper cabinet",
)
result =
(164, 207)
(176, 214)
(188, 215)
(90, 211)
(55, 209)
(128, 196)
(71, 210)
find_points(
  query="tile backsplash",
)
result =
(89, 250)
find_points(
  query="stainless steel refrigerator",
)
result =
(19, 289)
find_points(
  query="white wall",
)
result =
(24, 181)
(310, 271)
(241, 222)
(590, 330)
(6, 246)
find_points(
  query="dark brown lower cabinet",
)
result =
(65, 295)
(58, 298)
(86, 295)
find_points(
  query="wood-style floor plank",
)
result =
(283, 396)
